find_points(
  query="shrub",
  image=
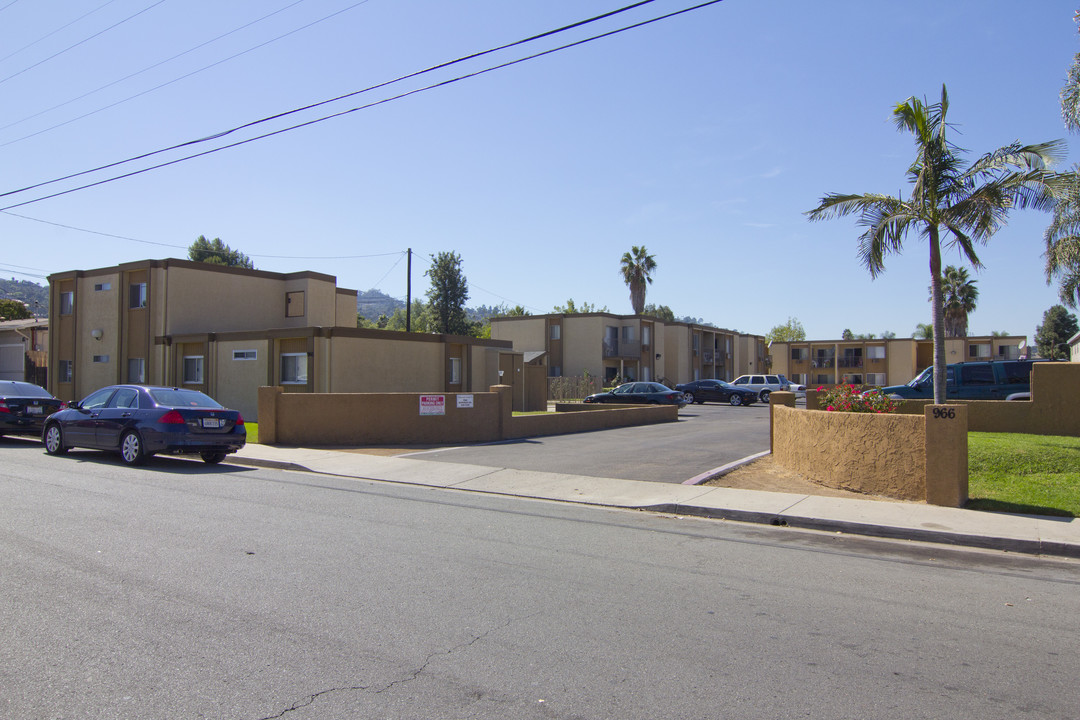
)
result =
(847, 398)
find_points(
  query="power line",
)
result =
(138, 72)
(84, 40)
(277, 116)
(185, 247)
(165, 84)
(49, 35)
(331, 116)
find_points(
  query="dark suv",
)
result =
(989, 380)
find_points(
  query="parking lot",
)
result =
(705, 437)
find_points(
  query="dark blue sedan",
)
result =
(138, 421)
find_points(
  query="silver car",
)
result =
(764, 385)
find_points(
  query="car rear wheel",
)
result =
(688, 398)
(131, 448)
(735, 400)
(213, 458)
(764, 396)
(54, 440)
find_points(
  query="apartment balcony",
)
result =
(708, 356)
(823, 362)
(850, 362)
(621, 349)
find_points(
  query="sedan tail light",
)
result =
(239, 419)
(173, 417)
(3, 407)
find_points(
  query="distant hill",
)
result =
(373, 303)
(29, 293)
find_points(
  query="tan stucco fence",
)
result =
(920, 452)
(357, 419)
(906, 457)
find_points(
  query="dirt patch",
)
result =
(765, 474)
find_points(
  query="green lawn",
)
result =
(1034, 474)
(252, 431)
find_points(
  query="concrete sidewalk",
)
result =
(913, 521)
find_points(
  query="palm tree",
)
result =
(1063, 244)
(959, 293)
(923, 331)
(637, 267)
(965, 205)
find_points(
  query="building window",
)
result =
(67, 303)
(98, 287)
(979, 351)
(799, 354)
(555, 371)
(876, 352)
(137, 295)
(556, 332)
(193, 369)
(245, 354)
(455, 371)
(65, 371)
(101, 358)
(646, 336)
(294, 368)
(628, 333)
(136, 370)
(294, 304)
(876, 379)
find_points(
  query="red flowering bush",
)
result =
(846, 398)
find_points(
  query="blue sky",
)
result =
(704, 137)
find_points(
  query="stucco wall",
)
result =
(873, 454)
(364, 365)
(583, 345)
(354, 419)
(237, 382)
(526, 333)
(1052, 410)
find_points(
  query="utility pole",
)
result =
(408, 293)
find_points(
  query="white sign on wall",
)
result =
(464, 401)
(432, 404)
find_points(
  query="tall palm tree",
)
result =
(637, 267)
(960, 294)
(1063, 244)
(966, 205)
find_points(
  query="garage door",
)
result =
(12, 362)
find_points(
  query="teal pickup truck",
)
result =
(986, 380)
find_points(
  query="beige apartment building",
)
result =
(24, 350)
(881, 362)
(228, 331)
(632, 347)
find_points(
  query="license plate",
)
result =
(34, 410)
(212, 422)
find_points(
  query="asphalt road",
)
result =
(705, 437)
(182, 590)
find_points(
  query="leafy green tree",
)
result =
(1000, 333)
(847, 334)
(447, 295)
(421, 318)
(517, 311)
(14, 310)
(216, 252)
(965, 204)
(791, 331)
(1063, 236)
(888, 335)
(1052, 337)
(960, 295)
(660, 312)
(571, 309)
(636, 268)
(923, 331)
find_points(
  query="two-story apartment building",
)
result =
(227, 331)
(632, 347)
(882, 361)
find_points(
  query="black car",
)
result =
(24, 407)
(139, 421)
(700, 391)
(639, 392)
